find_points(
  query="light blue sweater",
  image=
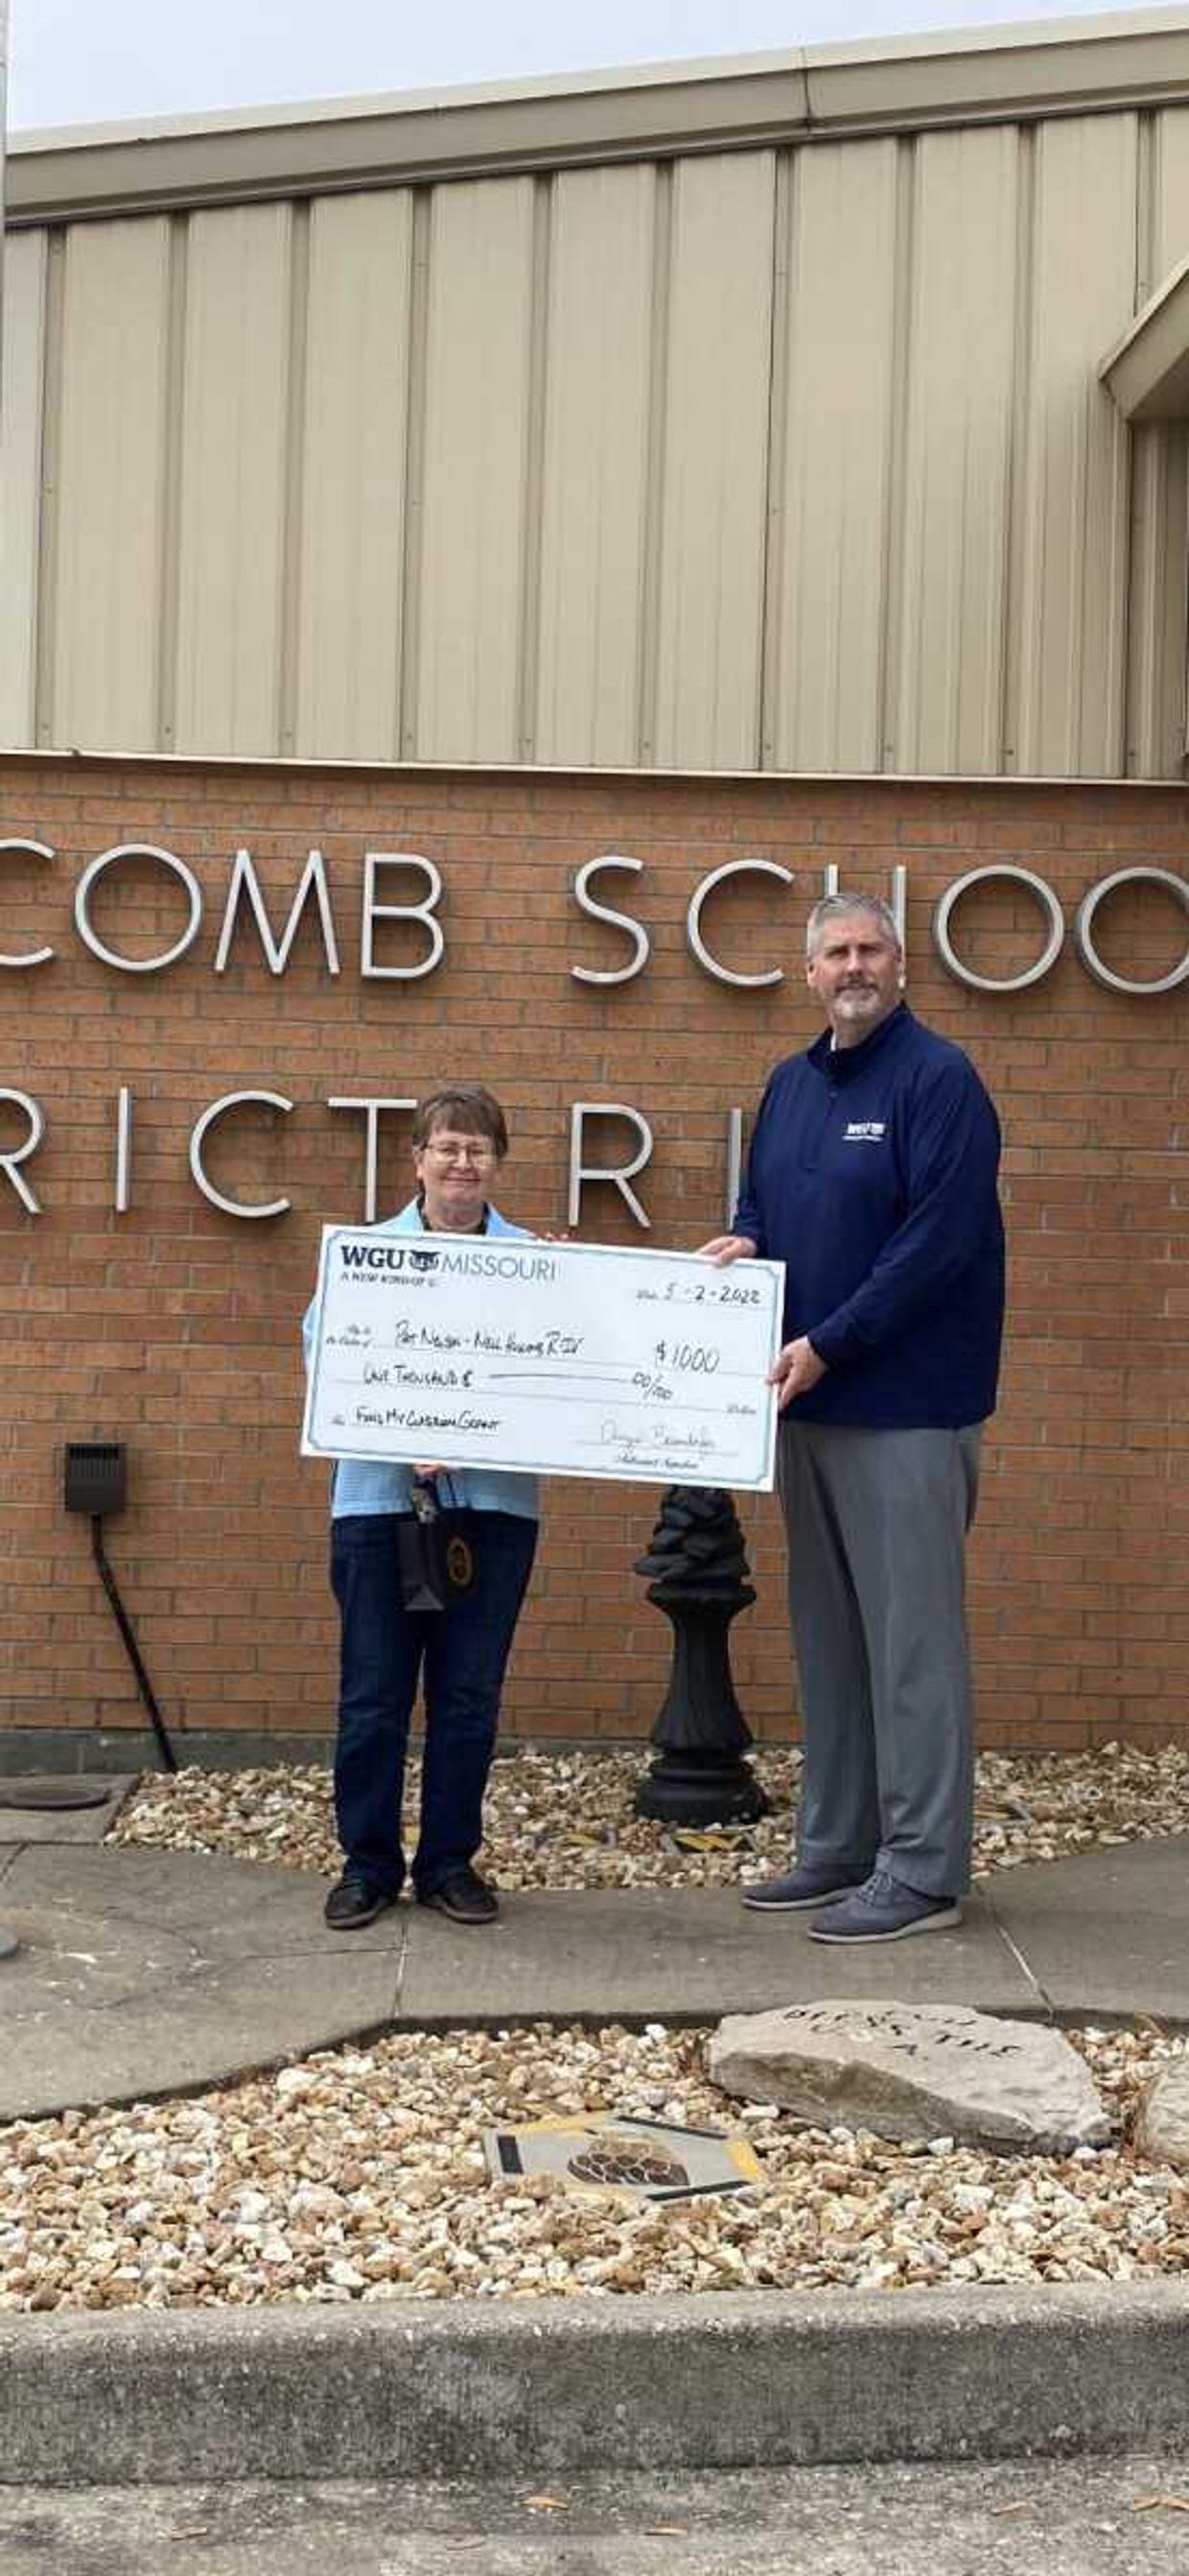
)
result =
(377, 1485)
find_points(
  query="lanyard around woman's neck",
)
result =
(427, 1228)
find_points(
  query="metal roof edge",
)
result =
(1121, 59)
(550, 86)
(288, 764)
(377, 143)
(1067, 67)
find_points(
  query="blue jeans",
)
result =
(460, 1655)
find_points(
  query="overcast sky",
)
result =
(87, 61)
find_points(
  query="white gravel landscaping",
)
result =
(360, 2175)
(562, 1818)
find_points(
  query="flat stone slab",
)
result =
(1106, 1932)
(914, 2071)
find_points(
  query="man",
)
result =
(872, 1175)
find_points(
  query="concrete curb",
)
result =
(552, 2387)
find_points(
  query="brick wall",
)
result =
(175, 1327)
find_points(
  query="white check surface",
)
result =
(565, 1359)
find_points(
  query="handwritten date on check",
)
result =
(564, 1359)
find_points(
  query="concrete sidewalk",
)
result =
(145, 1972)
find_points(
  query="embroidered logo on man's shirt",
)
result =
(865, 1131)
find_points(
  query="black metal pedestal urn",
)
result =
(698, 1565)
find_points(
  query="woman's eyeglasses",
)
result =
(443, 1149)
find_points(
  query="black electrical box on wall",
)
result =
(96, 1477)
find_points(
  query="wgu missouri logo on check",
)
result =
(865, 1131)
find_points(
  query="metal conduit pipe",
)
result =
(96, 1482)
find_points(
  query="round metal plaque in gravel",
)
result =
(53, 1796)
(8, 1943)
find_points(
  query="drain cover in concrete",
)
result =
(57, 1795)
(62, 1810)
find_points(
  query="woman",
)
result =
(459, 1654)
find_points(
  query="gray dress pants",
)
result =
(876, 1524)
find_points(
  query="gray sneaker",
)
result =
(884, 1909)
(801, 1889)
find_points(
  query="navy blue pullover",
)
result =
(872, 1175)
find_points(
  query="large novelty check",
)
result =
(570, 1359)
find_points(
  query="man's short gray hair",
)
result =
(832, 908)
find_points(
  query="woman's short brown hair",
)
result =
(467, 1106)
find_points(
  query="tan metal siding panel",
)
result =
(1159, 604)
(112, 461)
(1171, 692)
(232, 511)
(1070, 613)
(712, 502)
(831, 533)
(353, 490)
(1159, 589)
(476, 419)
(1159, 612)
(595, 466)
(20, 483)
(949, 648)
(549, 403)
(1171, 226)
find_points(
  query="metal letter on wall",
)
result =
(898, 906)
(693, 918)
(28, 956)
(425, 912)
(244, 875)
(999, 983)
(621, 1173)
(1083, 931)
(232, 1100)
(123, 1197)
(20, 1153)
(621, 920)
(734, 1162)
(371, 1109)
(82, 907)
